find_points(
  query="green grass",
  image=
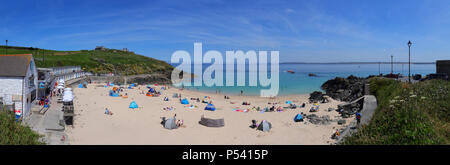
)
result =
(13, 133)
(407, 114)
(103, 62)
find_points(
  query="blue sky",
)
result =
(303, 30)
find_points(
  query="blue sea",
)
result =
(300, 83)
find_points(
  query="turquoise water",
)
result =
(301, 83)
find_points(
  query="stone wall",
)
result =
(443, 66)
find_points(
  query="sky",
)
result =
(301, 30)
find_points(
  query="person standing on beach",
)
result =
(358, 118)
(242, 92)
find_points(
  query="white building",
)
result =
(18, 82)
(68, 72)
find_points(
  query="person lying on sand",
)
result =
(245, 103)
(108, 112)
(179, 123)
(272, 108)
(279, 109)
(253, 124)
(336, 135)
(168, 108)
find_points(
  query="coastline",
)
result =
(142, 125)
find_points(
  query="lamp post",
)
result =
(409, 61)
(6, 47)
(379, 70)
(392, 64)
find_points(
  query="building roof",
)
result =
(14, 65)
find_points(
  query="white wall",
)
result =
(11, 86)
(32, 71)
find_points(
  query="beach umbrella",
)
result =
(152, 90)
(133, 105)
(170, 123)
(264, 126)
(210, 107)
(184, 101)
(212, 122)
(298, 118)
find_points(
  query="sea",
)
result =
(300, 82)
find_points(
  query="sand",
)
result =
(142, 125)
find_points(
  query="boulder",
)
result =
(331, 109)
(314, 119)
(348, 109)
(340, 122)
(316, 96)
(345, 89)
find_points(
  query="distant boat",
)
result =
(312, 75)
(290, 71)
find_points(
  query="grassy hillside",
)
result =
(110, 61)
(407, 114)
(13, 133)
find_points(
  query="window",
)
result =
(31, 81)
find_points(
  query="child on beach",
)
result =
(358, 118)
(108, 112)
(336, 134)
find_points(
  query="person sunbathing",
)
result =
(253, 124)
(279, 109)
(272, 108)
(336, 135)
(179, 123)
(108, 112)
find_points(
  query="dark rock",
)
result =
(161, 79)
(316, 96)
(324, 120)
(312, 75)
(340, 122)
(348, 109)
(345, 89)
(331, 109)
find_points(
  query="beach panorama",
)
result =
(223, 74)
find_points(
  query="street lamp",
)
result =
(6, 47)
(392, 64)
(409, 61)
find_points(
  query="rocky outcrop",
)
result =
(316, 96)
(159, 79)
(139, 79)
(348, 109)
(345, 89)
(314, 119)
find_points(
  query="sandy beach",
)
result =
(142, 125)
